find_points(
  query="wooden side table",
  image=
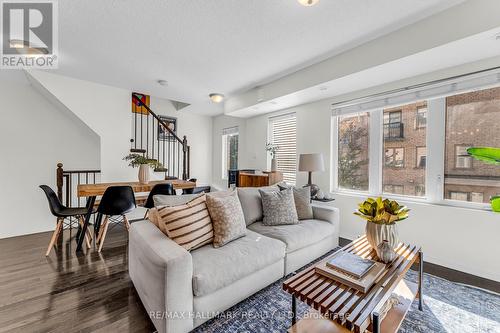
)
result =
(345, 309)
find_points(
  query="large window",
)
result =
(405, 148)
(472, 120)
(402, 146)
(283, 133)
(229, 150)
(353, 158)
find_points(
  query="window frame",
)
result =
(418, 125)
(456, 157)
(435, 154)
(226, 133)
(394, 166)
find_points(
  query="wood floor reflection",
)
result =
(66, 292)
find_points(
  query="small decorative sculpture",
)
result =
(385, 252)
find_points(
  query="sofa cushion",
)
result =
(296, 236)
(227, 218)
(173, 200)
(251, 202)
(302, 198)
(188, 225)
(279, 207)
(215, 268)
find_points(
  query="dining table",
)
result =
(92, 191)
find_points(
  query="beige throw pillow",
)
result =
(188, 225)
(279, 207)
(302, 199)
(227, 217)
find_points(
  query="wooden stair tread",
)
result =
(137, 150)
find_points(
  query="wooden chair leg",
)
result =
(126, 222)
(101, 230)
(103, 235)
(146, 214)
(55, 235)
(88, 236)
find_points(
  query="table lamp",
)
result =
(311, 163)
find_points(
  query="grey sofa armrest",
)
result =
(326, 213)
(162, 273)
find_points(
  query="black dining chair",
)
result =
(196, 190)
(158, 189)
(62, 212)
(116, 201)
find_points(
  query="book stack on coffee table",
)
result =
(352, 270)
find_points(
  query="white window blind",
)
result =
(283, 132)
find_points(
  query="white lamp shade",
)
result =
(311, 162)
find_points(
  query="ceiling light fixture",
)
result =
(308, 3)
(216, 98)
(162, 82)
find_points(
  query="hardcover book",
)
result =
(351, 264)
(362, 284)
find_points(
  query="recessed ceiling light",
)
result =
(216, 98)
(308, 3)
(162, 82)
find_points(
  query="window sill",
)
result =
(422, 201)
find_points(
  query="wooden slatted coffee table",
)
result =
(341, 308)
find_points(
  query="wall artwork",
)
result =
(137, 107)
(163, 134)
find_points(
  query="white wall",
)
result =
(462, 239)
(34, 136)
(103, 108)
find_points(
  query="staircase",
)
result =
(153, 137)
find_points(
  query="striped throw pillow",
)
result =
(188, 225)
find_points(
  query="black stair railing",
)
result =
(170, 150)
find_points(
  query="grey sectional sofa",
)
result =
(181, 289)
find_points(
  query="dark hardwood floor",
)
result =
(66, 292)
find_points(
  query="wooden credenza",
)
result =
(265, 178)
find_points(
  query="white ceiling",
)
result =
(225, 46)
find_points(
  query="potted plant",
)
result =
(144, 164)
(381, 216)
(272, 149)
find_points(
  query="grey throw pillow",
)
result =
(251, 202)
(302, 198)
(279, 207)
(227, 218)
